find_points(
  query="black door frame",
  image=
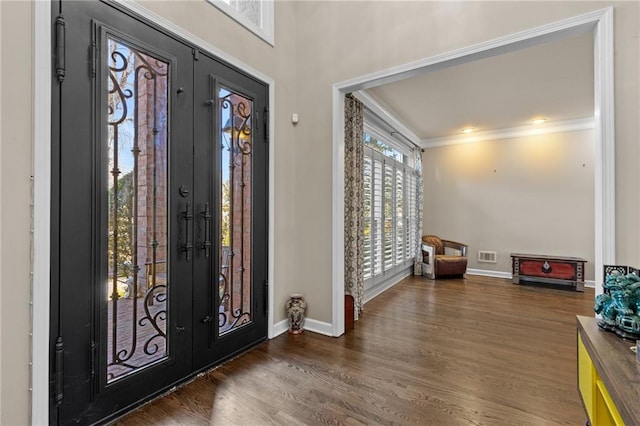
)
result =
(185, 38)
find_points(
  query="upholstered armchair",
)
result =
(443, 257)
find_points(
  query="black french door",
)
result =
(159, 218)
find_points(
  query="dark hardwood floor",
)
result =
(479, 351)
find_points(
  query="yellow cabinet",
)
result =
(586, 378)
(600, 408)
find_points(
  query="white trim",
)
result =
(488, 273)
(265, 32)
(513, 42)
(272, 209)
(310, 324)
(41, 241)
(605, 200)
(280, 327)
(378, 109)
(513, 132)
(337, 263)
(377, 290)
(319, 327)
(589, 283)
(42, 184)
(1, 257)
(602, 21)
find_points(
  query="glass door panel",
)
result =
(137, 232)
(234, 275)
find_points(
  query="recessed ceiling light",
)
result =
(538, 120)
(468, 130)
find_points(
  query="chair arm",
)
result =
(456, 246)
(431, 251)
(429, 267)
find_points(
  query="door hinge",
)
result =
(196, 54)
(60, 48)
(59, 370)
(265, 118)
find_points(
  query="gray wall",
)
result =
(16, 139)
(530, 194)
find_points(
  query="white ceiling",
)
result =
(554, 80)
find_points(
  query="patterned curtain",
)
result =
(354, 201)
(417, 161)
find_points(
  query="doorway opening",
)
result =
(600, 22)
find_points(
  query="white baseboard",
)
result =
(486, 273)
(280, 327)
(319, 327)
(500, 274)
(310, 324)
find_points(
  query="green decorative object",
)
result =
(619, 305)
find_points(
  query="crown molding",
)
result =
(512, 132)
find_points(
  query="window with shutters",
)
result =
(389, 209)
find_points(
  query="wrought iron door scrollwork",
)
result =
(234, 280)
(157, 294)
(137, 137)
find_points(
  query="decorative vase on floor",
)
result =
(296, 307)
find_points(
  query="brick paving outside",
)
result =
(138, 341)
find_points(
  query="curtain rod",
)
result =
(393, 129)
(401, 134)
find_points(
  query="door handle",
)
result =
(206, 217)
(187, 247)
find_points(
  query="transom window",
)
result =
(256, 15)
(383, 147)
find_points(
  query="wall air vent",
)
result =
(487, 256)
